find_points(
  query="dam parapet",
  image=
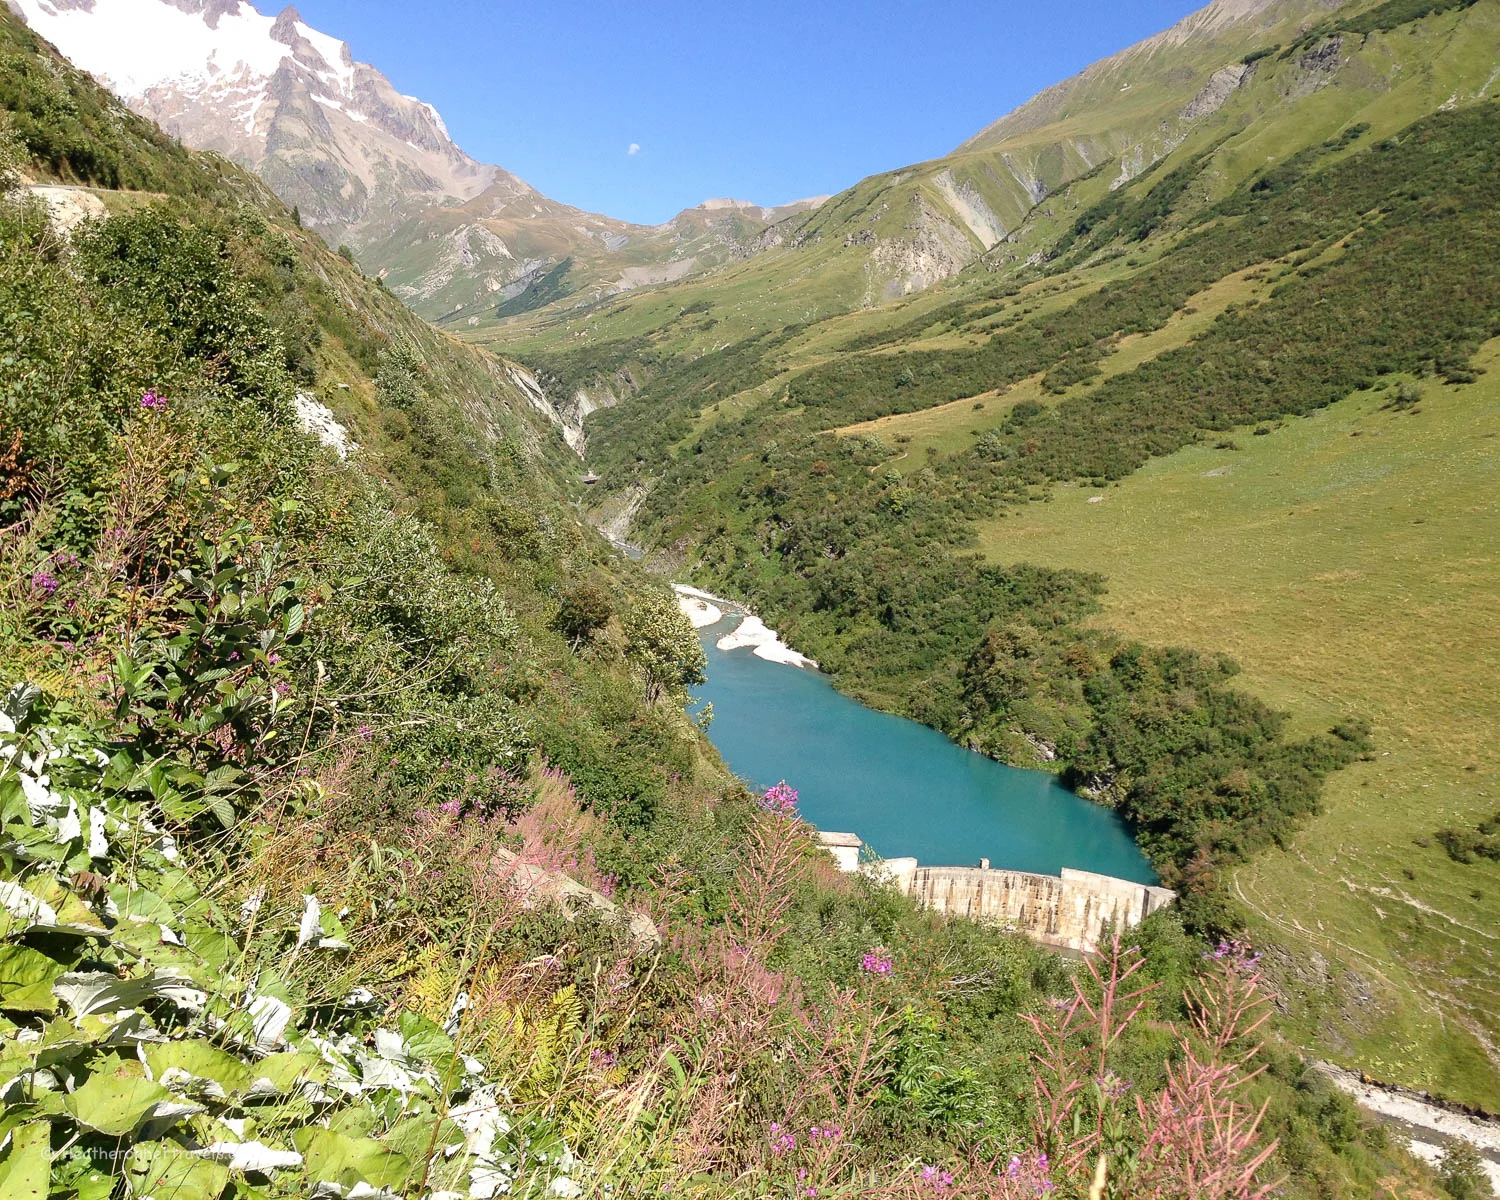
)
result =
(1069, 911)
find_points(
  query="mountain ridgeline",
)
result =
(366, 166)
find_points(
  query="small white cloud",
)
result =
(635, 148)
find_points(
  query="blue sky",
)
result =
(768, 102)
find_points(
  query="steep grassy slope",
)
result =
(1327, 227)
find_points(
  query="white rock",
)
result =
(701, 613)
(318, 419)
(764, 643)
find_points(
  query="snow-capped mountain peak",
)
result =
(138, 45)
(370, 167)
(278, 96)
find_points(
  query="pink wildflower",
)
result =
(151, 402)
(781, 799)
(877, 962)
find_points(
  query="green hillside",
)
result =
(858, 470)
(354, 840)
(1302, 77)
(1347, 561)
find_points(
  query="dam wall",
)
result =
(1069, 911)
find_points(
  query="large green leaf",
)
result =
(94, 1186)
(141, 905)
(46, 906)
(27, 1173)
(88, 992)
(278, 1074)
(26, 979)
(425, 1040)
(62, 1041)
(117, 1103)
(200, 1062)
(162, 1169)
(214, 948)
(333, 1158)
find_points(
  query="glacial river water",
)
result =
(904, 788)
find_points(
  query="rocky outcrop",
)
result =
(539, 887)
(528, 385)
(967, 202)
(318, 419)
(932, 250)
(1220, 86)
(70, 207)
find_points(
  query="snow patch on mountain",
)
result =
(136, 45)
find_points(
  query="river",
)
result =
(904, 788)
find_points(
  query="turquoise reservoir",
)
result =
(904, 788)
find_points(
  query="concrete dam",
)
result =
(1069, 911)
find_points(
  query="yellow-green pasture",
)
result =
(1350, 561)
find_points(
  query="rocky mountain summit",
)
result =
(368, 166)
(332, 136)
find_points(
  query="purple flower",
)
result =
(877, 961)
(282, 688)
(366, 734)
(151, 402)
(1236, 954)
(781, 1141)
(1112, 1086)
(781, 799)
(938, 1179)
(44, 582)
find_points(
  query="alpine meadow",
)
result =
(362, 831)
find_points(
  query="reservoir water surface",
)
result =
(904, 788)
